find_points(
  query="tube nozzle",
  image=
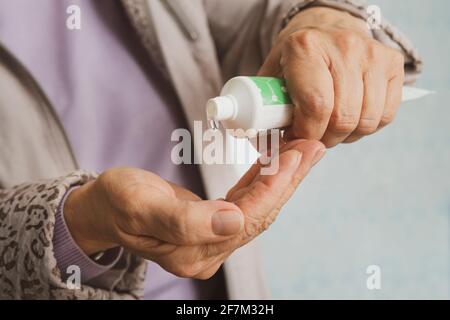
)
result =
(221, 108)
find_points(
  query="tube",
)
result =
(248, 105)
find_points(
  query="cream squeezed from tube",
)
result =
(253, 104)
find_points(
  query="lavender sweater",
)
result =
(115, 109)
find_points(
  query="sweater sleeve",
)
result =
(385, 32)
(28, 267)
(68, 253)
(248, 30)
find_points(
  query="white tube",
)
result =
(252, 104)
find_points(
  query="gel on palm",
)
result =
(255, 104)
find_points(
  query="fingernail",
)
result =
(319, 155)
(226, 222)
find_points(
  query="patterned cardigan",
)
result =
(27, 263)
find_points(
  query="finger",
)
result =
(185, 222)
(183, 261)
(266, 193)
(198, 262)
(393, 100)
(348, 100)
(313, 152)
(313, 148)
(267, 140)
(310, 85)
(267, 143)
(262, 196)
(352, 138)
(375, 86)
(146, 247)
(195, 262)
(255, 169)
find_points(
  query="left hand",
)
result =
(345, 85)
(187, 236)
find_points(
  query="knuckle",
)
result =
(260, 219)
(397, 65)
(268, 222)
(330, 144)
(398, 60)
(343, 124)
(348, 41)
(387, 119)
(307, 39)
(366, 127)
(317, 105)
(178, 224)
(352, 139)
(252, 227)
(376, 51)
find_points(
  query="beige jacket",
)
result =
(199, 44)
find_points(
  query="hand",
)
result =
(169, 225)
(344, 84)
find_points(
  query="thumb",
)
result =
(187, 222)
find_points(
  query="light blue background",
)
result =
(382, 201)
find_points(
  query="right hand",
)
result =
(171, 226)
